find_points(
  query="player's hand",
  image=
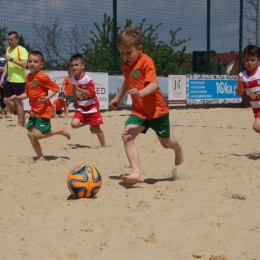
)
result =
(75, 85)
(113, 104)
(14, 97)
(42, 99)
(239, 79)
(75, 104)
(134, 91)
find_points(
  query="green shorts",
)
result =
(160, 125)
(69, 99)
(39, 123)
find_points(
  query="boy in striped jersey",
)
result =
(249, 81)
(85, 99)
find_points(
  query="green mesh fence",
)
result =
(192, 36)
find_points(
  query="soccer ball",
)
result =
(84, 181)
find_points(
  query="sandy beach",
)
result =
(209, 209)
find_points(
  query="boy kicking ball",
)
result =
(149, 109)
(37, 89)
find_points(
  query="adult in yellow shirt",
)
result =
(16, 57)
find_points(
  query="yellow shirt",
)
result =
(16, 74)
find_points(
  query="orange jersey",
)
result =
(60, 105)
(38, 86)
(139, 75)
(68, 86)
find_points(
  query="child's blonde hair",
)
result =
(130, 36)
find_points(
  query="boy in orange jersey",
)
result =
(58, 105)
(148, 107)
(36, 89)
(85, 99)
(67, 87)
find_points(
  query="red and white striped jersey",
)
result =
(86, 105)
(251, 85)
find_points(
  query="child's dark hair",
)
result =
(77, 56)
(62, 94)
(252, 50)
(130, 36)
(37, 53)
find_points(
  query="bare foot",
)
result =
(179, 157)
(41, 158)
(132, 178)
(65, 133)
(19, 126)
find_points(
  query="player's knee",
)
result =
(256, 128)
(127, 138)
(166, 145)
(30, 134)
(7, 100)
(74, 124)
(123, 137)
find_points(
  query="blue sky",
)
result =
(189, 15)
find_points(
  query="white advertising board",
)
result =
(177, 90)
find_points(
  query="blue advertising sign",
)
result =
(204, 89)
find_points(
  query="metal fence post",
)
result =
(115, 35)
(208, 37)
(240, 34)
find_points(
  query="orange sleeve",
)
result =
(48, 83)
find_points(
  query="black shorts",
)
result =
(2, 97)
(12, 88)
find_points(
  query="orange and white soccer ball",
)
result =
(84, 181)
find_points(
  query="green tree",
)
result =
(58, 45)
(99, 51)
(3, 33)
(23, 43)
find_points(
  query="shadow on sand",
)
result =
(250, 156)
(52, 158)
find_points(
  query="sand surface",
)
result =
(211, 212)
